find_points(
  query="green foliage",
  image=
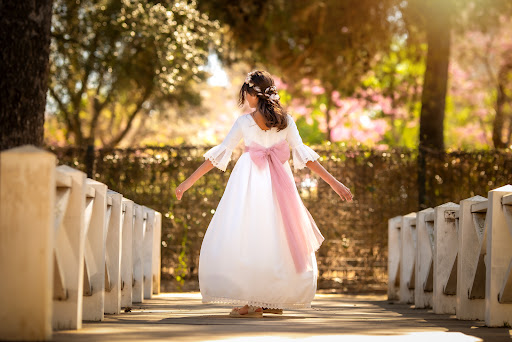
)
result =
(181, 271)
(327, 40)
(347, 45)
(398, 76)
(311, 134)
(114, 59)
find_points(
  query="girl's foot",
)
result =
(247, 311)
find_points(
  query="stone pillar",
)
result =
(138, 238)
(471, 236)
(407, 258)
(69, 255)
(27, 200)
(94, 253)
(394, 247)
(498, 312)
(113, 256)
(445, 258)
(424, 260)
(147, 249)
(126, 254)
(157, 247)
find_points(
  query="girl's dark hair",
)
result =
(261, 84)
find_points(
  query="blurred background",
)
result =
(136, 73)
(408, 102)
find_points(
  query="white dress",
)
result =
(245, 258)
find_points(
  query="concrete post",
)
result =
(147, 249)
(126, 254)
(138, 238)
(157, 247)
(394, 247)
(407, 258)
(424, 261)
(69, 254)
(27, 200)
(498, 260)
(445, 258)
(94, 253)
(470, 241)
(113, 255)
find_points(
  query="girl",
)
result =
(259, 248)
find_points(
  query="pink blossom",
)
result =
(317, 90)
(300, 110)
(335, 96)
(280, 84)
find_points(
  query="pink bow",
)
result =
(303, 236)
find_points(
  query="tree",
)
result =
(437, 24)
(25, 41)
(437, 18)
(480, 100)
(115, 60)
(501, 134)
(488, 17)
(331, 41)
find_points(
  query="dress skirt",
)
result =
(245, 258)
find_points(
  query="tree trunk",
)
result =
(499, 139)
(25, 42)
(499, 119)
(433, 99)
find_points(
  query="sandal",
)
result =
(273, 311)
(251, 312)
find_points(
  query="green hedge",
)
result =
(354, 255)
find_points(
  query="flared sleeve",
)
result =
(301, 153)
(220, 155)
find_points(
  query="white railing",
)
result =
(459, 257)
(471, 281)
(407, 258)
(424, 276)
(394, 248)
(70, 249)
(445, 258)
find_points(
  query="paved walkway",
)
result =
(182, 317)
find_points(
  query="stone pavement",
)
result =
(334, 317)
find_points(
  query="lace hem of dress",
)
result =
(219, 155)
(216, 163)
(221, 300)
(302, 154)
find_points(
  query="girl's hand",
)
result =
(342, 191)
(180, 190)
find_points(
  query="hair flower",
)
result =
(248, 79)
(274, 97)
(271, 90)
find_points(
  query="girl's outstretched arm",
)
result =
(302, 152)
(219, 154)
(336, 185)
(201, 170)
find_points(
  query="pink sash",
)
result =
(303, 236)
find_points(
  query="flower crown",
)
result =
(270, 92)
